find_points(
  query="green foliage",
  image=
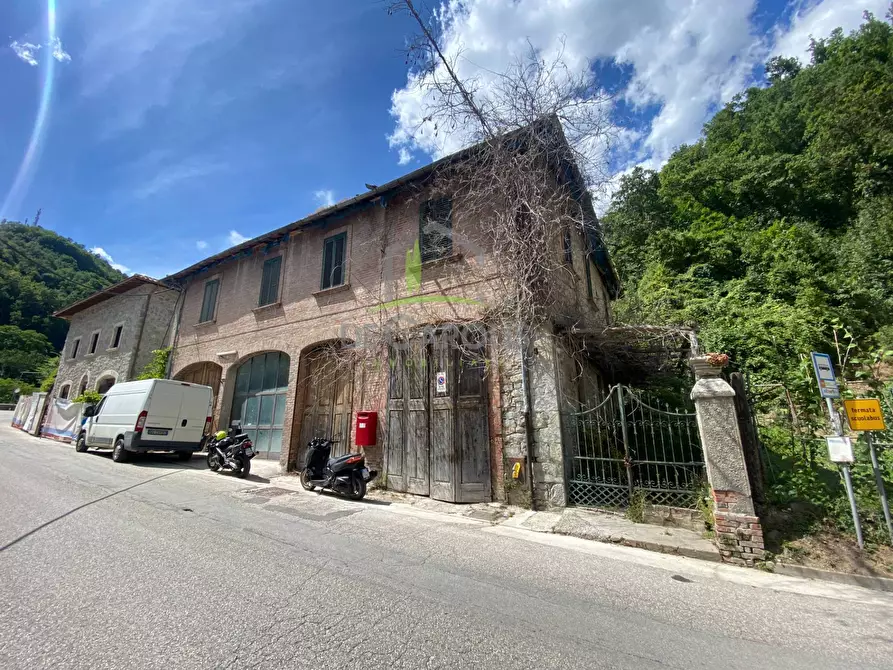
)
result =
(636, 510)
(89, 397)
(41, 272)
(771, 236)
(22, 351)
(48, 371)
(8, 387)
(157, 367)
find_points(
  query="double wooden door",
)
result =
(328, 382)
(438, 438)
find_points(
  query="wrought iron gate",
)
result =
(627, 443)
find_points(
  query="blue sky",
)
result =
(172, 129)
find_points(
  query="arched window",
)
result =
(64, 391)
(105, 384)
(83, 385)
(259, 400)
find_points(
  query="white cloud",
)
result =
(324, 197)
(235, 238)
(404, 156)
(58, 52)
(103, 254)
(26, 51)
(818, 19)
(201, 245)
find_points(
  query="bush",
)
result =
(8, 387)
(89, 398)
(157, 367)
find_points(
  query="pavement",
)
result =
(151, 564)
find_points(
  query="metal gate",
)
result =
(628, 443)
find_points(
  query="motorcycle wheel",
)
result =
(243, 471)
(357, 489)
(305, 480)
(213, 463)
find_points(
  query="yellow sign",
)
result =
(865, 414)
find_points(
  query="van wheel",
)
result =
(184, 455)
(119, 453)
(81, 444)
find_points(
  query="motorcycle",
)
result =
(347, 475)
(231, 451)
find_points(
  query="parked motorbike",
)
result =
(231, 451)
(347, 475)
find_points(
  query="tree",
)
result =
(23, 351)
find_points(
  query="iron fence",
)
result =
(628, 443)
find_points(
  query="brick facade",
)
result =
(379, 233)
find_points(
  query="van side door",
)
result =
(94, 427)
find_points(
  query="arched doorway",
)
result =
(205, 373)
(104, 384)
(327, 381)
(83, 385)
(259, 400)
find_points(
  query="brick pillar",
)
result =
(739, 534)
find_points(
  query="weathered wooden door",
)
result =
(328, 386)
(438, 442)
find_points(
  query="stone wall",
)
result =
(128, 310)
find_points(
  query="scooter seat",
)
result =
(334, 463)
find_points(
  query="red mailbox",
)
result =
(367, 425)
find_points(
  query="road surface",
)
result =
(152, 564)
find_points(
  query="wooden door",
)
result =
(394, 455)
(443, 456)
(472, 429)
(416, 379)
(328, 401)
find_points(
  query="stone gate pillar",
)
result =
(739, 534)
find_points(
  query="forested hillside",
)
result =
(40, 272)
(773, 236)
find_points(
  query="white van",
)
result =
(148, 415)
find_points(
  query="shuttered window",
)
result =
(436, 229)
(333, 261)
(269, 283)
(209, 302)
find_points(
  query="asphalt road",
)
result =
(153, 565)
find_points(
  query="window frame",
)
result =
(213, 315)
(333, 240)
(94, 342)
(424, 208)
(74, 348)
(118, 327)
(65, 391)
(274, 299)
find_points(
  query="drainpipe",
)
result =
(528, 426)
(139, 338)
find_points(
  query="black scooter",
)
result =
(347, 475)
(232, 452)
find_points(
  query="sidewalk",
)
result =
(575, 522)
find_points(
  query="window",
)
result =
(568, 246)
(436, 229)
(94, 341)
(209, 302)
(116, 336)
(333, 260)
(83, 386)
(269, 283)
(63, 394)
(74, 348)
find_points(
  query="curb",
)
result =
(702, 555)
(865, 581)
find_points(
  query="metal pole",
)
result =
(849, 491)
(838, 430)
(880, 485)
(625, 435)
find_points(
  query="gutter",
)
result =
(528, 425)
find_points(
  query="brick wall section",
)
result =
(738, 536)
(378, 238)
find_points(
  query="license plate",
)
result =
(249, 452)
(365, 473)
(158, 431)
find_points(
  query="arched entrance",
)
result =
(259, 400)
(83, 385)
(205, 373)
(104, 384)
(327, 382)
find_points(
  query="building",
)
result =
(287, 329)
(112, 335)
